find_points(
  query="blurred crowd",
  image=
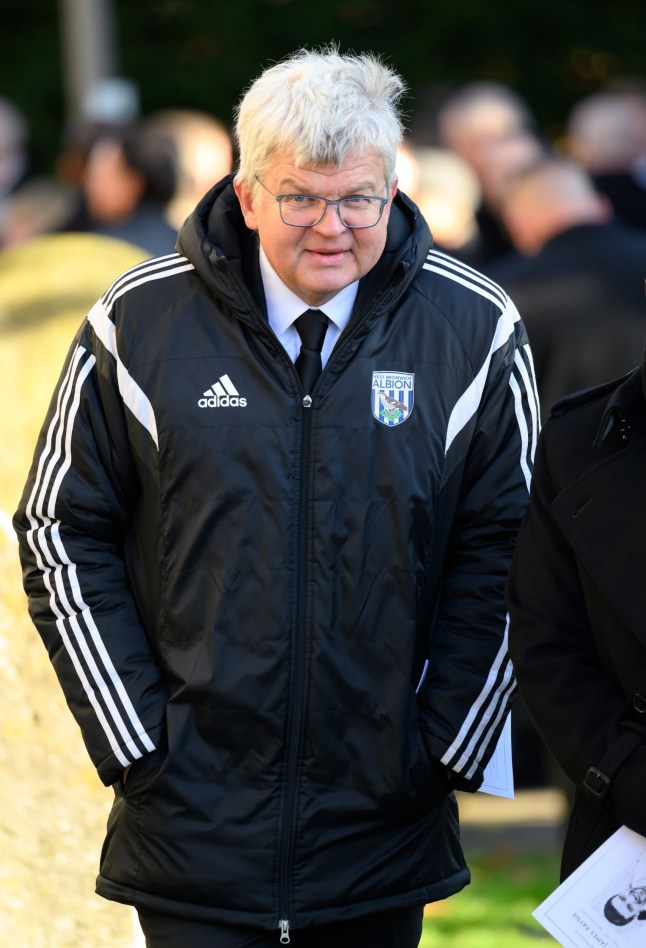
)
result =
(560, 225)
(126, 176)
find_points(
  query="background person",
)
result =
(14, 156)
(266, 533)
(448, 194)
(129, 178)
(490, 127)
(203, 152)
(577, 277)
(605, 133)
(576, 604)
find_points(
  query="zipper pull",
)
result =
(284, 931)
(307, 401)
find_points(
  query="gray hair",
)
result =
(324, 107)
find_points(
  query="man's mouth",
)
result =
(329, 254)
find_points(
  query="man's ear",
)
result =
(246, 199)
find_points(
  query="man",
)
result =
(577, 605)
(622, 908)
(14, 158)
(604, 133)
(274, 594)
(577, 278)
(492, 128)
(130, 176)
(203, 154)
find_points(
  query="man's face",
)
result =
(317, 262)
(630, 904)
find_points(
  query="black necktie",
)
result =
(311, 327)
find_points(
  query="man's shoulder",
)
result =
(468, 308)
(149, 279)
(588, 399)
(444, 278)
(584, 419)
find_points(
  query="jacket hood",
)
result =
(222, 249)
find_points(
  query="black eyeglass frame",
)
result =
(281, 197)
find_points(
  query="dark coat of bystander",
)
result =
(577, 602)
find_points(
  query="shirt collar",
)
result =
(284, 306)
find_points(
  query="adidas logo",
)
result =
(222, 394)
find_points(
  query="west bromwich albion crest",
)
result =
(393, 394)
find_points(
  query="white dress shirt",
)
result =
(283, 307)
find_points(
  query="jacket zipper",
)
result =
(297, 681)
(296, 685)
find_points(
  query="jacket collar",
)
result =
(625, 405)
(216, 241)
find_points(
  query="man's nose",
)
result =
(331, 222)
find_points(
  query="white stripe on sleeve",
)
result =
(132, 394)
(59, 573)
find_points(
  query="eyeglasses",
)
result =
(306, 210)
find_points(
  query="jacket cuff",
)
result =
(111, 769)
(458, 782)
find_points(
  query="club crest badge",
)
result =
(392, 396)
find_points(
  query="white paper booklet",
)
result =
(499, 774)
(603, 903)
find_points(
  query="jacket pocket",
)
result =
(145, 771)
(428, 777)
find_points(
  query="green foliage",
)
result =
(551, 51)
(495, 910)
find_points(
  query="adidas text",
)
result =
(222, 394)
(222, 401)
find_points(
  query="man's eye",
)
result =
(300, 201)
(357, 202)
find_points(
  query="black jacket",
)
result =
(257, 587)
(577, 601)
